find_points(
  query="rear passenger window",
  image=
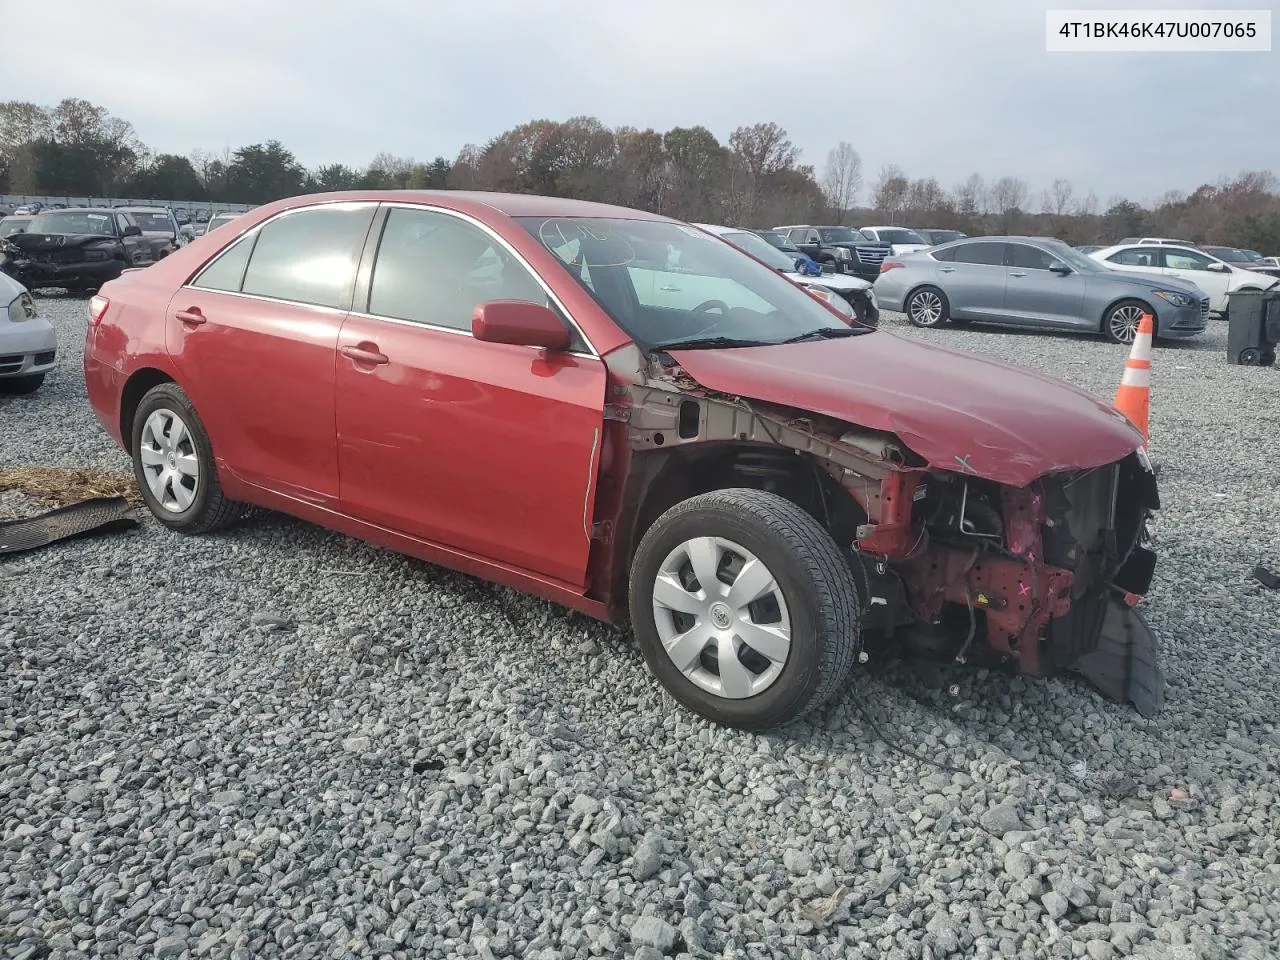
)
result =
(309, 255)
(946, 255)
(227, 271)
(988, 253)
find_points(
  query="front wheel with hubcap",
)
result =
(744, 607)
(173, 464)
(928, 307)
(1122, 319)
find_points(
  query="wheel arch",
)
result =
(1116, 301)
(136, 387)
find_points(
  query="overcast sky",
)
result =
(941, 87)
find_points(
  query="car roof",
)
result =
(143, 208)
(510, 204)
(87, 210)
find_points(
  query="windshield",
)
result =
(840, 235)
(72, 222)
(152, 221)
(1229, 254)
(1074, 258)
(773, 238)
(761, 250)
(945, 236)
(668, 283)
(219, 220)
(1252, 254)
(896, 235)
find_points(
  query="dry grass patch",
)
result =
(63, 486)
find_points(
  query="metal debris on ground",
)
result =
(1266, 577)
(98, 515)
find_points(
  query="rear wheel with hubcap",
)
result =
(744, 607)
(173, 464)
(928, 307)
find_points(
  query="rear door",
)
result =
(974, 280)
(255, 336)
(1036, 295)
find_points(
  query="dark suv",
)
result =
(78, 249)
(843, 248)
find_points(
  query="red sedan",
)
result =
(625, 415)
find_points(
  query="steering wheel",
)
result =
(705, 307)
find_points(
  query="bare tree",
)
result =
(890, 195)
(970, 197)
(1088, 207)
(1008, 197)
(1057, 199)
(842, 179)
(764, 148)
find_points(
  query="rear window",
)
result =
(309, 255)
(1137, 257)
(152, 222)
(991, 254)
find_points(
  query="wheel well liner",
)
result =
(139, 382)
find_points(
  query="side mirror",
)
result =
(131, 231)
(1061, 269)
(1219, 267)
(521, 323)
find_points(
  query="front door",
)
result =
(487, 448)
(1035, 294)
(1194, 267)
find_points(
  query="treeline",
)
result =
(756, 178)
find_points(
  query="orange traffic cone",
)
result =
(1133, 399)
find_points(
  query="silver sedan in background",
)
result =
(1034, 282)
(28, 342)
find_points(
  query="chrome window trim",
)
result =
(457, 331)
(498, 239)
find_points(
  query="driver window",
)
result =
(434, 269)
(1185, 260)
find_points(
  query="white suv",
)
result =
(1215, 277)
(901, 239)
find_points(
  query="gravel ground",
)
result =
(280, 742)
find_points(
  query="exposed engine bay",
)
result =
(1041, 578)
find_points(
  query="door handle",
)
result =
(669, 289)
(1017, 274)
(365, 353)
(946, 269)
(192, 316)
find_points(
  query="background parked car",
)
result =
(1157, 241)
(159, 226)
(844, 249)
(219, 219)
(778, 240)
(853, 293)
(900, 239)
(28, 342)
(934, 235)
(1034, 282)
(78, 249)
(1215, 277)
(1241, 258)
(16, 223)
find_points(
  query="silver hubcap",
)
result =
(926, 308)
(169, 461)
(1124, 323)
(722, 617)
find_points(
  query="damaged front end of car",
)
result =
(1041, 577)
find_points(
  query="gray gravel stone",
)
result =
(415, 764)
(653, 932)
(797, 862)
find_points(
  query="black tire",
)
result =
(1116, 317)
(1268, 358)
(1250, 357)
(21, 385)
(209, 510)
(927, 307)
(810, 572)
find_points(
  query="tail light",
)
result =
(891, 265)
(97, 309)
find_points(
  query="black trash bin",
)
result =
(1254, 327)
